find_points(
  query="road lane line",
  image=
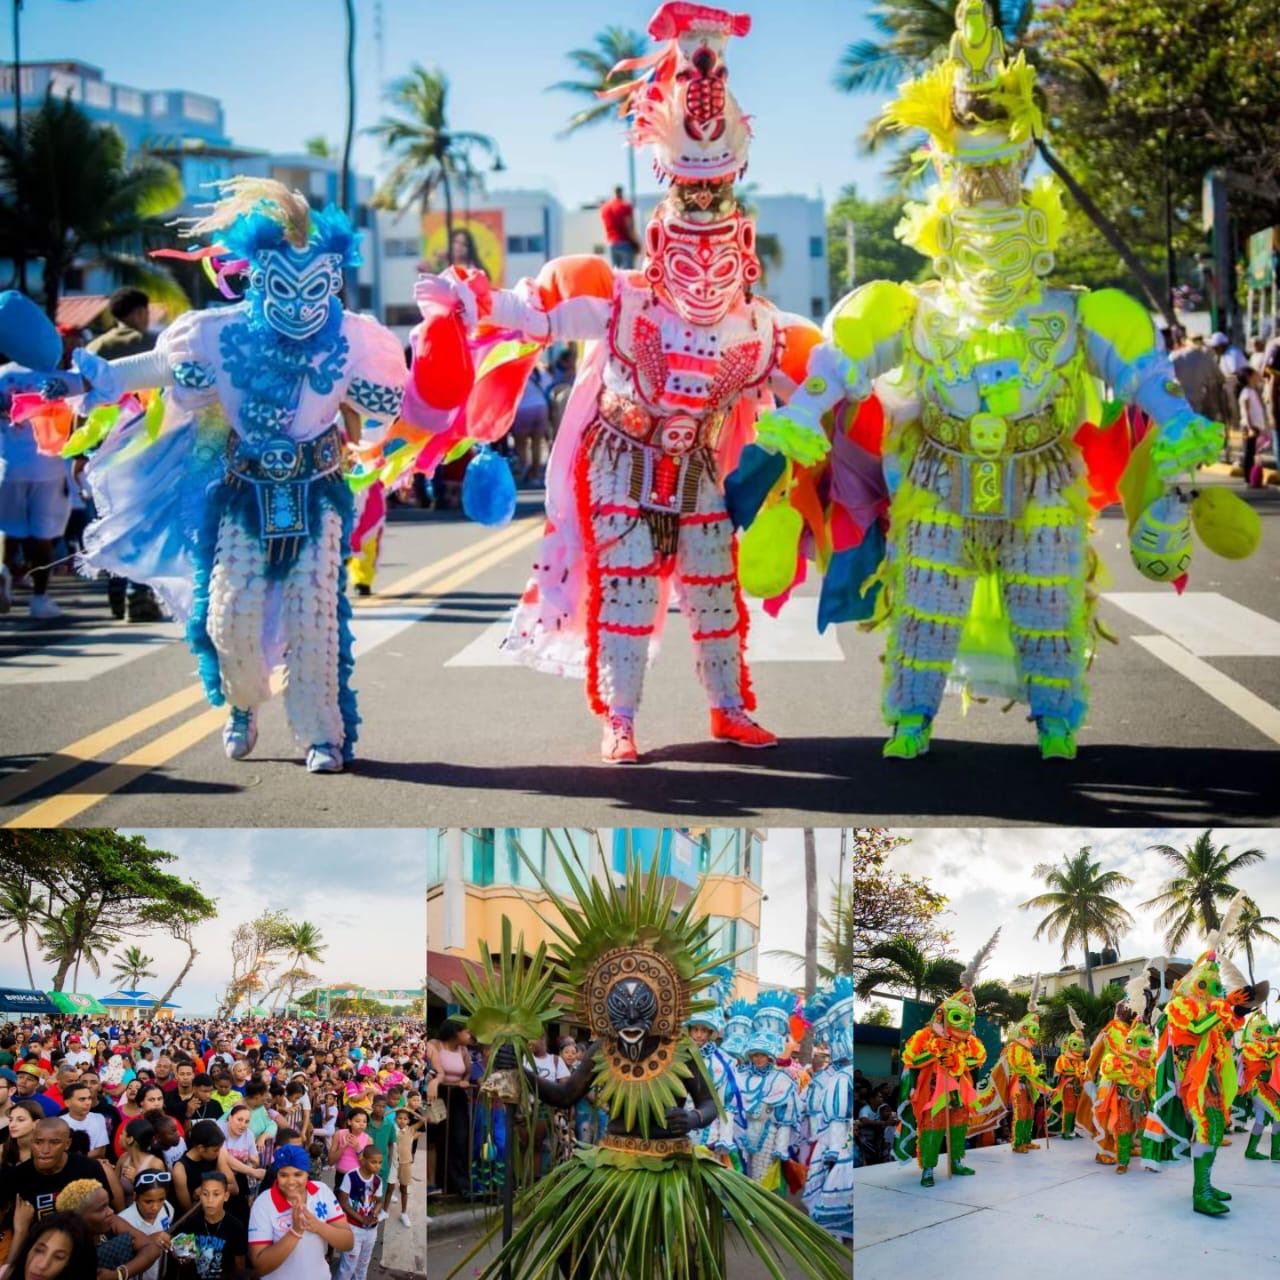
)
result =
(511, 538)
(1222, 688)
(62, 808)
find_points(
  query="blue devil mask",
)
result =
(295, 289)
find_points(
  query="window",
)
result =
(477, 856)
(723, 855)
(437, 856)
(128, 101)
(817, 247)
(526, 244)
(195, 107)
(158, 104)
(364, 297)
(817, 308)
(754, 851)
(392, 248)
(728, 936)
(362, 215)
(97, 93)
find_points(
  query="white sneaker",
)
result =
(404, 1220)
(382, 1215)
(44, 609)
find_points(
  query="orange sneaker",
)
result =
(737, 727)
(618, 745)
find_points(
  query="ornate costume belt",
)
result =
(667, 457)
(281, 472)
(994, 464)
(647, 1146)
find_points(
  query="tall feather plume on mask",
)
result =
(970, 974)
(1135, 990)
(1033, 1001)
(242, 196)
(1230, 923)
(1076, 1025)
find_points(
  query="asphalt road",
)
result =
(102, 723)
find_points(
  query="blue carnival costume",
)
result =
(828, 1107)
(769, 1095)
(721, 1134)
(236, 510)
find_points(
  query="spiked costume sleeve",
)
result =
(645, 1203)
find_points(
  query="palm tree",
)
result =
(131, 967)
(613, 45)
(1095, 1011)
(82, 203)
(66, 946)
(992, 999)
(304, 943)
(1253, 928)
(902, 964)
(428, 153)
(1201, 880)
(24, 910)
(914, 31)
(1079, 904)
(835, 938)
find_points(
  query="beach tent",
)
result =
(75, 1002)
(17, 1000)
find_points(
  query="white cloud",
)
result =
(782, 914)
(986, 873)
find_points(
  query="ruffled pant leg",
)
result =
(309, 621)
(933, 589)
(711, 601)
(625, 595)
(237, 615)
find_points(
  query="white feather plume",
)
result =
(1230, 922)
(1232, 978)
(1135, 989)
(1033, 1002)
(970, 975)
(1076, 1024)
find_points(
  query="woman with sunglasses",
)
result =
(137, 1154)
(151, 1213)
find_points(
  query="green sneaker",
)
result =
(910, 738)
(1251, 1152)
(958, 1168)
(926, 1178)
(1275, 1144)
(1124, 1148)
(1057, 738)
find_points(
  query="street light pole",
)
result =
(21, 260)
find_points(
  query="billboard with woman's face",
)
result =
(478, 240)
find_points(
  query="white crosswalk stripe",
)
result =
(1205, 623)
(71, 657)
(792, 637)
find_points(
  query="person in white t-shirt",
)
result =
(292, 1224)
(80, 1116)
(77, 1055)
(151, 1213)
(1253, 418)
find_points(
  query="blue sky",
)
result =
(278, 68)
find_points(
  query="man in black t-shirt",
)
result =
(51, 1167)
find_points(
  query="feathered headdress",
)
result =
(1076, 1025)
(258, 215)
(969, 975)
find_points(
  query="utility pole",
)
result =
(851, 253)
(21, 260)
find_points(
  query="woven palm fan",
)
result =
(635, 1209)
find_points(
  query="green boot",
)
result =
(1057, 739)
(1124, 1147)
(1217, 1131)
(958, 1132)
(910, 738)
(1275, 1143)
(1068, 1127)
(1251, 1152)
(1202, 1198)
(930, 1141)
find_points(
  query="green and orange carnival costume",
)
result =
(1260, 1080)
(939, 1096)
(1124, 1095)
(1018, 1078)
(1196, 1079)
(1069, 1073)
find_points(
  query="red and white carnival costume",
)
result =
(683, 355)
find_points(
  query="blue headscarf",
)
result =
(292, 1157)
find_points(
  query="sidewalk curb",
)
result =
(459, 1223)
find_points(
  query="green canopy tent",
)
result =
(76, 1002)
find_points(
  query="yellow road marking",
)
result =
(477, 557)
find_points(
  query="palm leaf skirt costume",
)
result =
(645, 1203)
